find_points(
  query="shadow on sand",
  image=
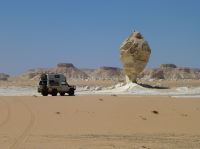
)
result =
(153, 87)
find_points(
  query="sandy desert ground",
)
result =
(99, 122)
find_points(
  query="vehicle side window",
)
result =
(57, 76)
(53, 83)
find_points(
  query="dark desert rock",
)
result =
(155, 112)
(168, 66)
(65, 65)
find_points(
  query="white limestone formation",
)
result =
(135, 53)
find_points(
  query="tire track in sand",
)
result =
(19, 140)
(7, 111)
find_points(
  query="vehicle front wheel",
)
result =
(54, 92)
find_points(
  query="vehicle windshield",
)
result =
(43, 83)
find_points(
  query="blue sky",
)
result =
(88, 33)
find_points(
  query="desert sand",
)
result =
(99, 122)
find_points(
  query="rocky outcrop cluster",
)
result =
(170, 72)
(164, 72)
(4, 77)
(135, 53)
(70, 71)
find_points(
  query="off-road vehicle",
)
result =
(54, 84)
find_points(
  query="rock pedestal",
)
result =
(135, 53)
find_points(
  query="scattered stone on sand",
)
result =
(100, 99)
(184, 115)
(155, 112)
(58, 113)
(145, 147)
(143, 118)
(135, 53)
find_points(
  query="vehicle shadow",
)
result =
(67, 95)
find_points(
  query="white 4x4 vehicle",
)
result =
(54, 84)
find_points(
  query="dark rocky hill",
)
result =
(68, 69)
(4, 77)
(170, 72)
(106, 73)
(164, 72)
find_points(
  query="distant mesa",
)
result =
(66, 65)
(109, 68)
(4, 77)
(185, 70)
(163, 72)
(170, 72)
(107, 73)
(70, 71)
(168, 66)
(34, 73)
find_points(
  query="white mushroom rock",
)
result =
(135, 53)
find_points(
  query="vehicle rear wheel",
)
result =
(44, 92)
(62, 94)
(54, 92)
